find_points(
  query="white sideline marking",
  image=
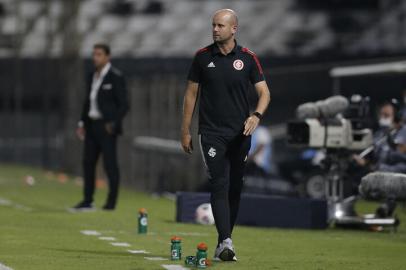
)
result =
(119, 244)
(107, 238)
(138, 251)
(5, 202)
(90, 232)
(3, 267)
(174, 267)
(22, 207)
(155, 258)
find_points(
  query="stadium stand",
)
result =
(143, 28)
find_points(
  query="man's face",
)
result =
(100, 58)
(223, 28)
(386, 115)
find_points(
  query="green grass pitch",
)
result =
(36, 232)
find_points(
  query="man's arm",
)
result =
(86, 103)
(189, 103)
(85, 110)
(264, 97)
(80, 130)
(121, 98)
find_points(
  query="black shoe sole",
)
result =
(227, 255)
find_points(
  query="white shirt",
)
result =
(94, 112)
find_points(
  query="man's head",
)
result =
(225, 23)
(387, 115)
(101, 55)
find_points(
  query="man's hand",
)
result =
(80, 132)
(359, 160)
(186, 142)
(264, 97)
(250, 125)
(109, 128)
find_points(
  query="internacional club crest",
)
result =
(238, 64)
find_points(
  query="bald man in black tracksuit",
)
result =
(222, 74)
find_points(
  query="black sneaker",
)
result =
(83, 207)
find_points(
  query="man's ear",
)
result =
(234, 29)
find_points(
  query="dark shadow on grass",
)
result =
(171, 221)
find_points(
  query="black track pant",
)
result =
(98, 141)
(225, 159)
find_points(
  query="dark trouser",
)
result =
(98, 141)
(225, 159)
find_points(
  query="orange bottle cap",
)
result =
(176, 238)
(202, 246)
(142, 211)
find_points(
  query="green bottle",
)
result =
(201, 255)
(142, 221)
(176, 249)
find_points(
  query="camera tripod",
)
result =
(341, 210)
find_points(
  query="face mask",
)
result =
(385, 122)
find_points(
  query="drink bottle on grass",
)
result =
(142, 221)
(176, 248)
(201, 255)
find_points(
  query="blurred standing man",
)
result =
(104, 108)
(223, 72)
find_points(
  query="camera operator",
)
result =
(386, 155)
(389, 154)
(395, 158)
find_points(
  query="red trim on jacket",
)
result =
(246, 50)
